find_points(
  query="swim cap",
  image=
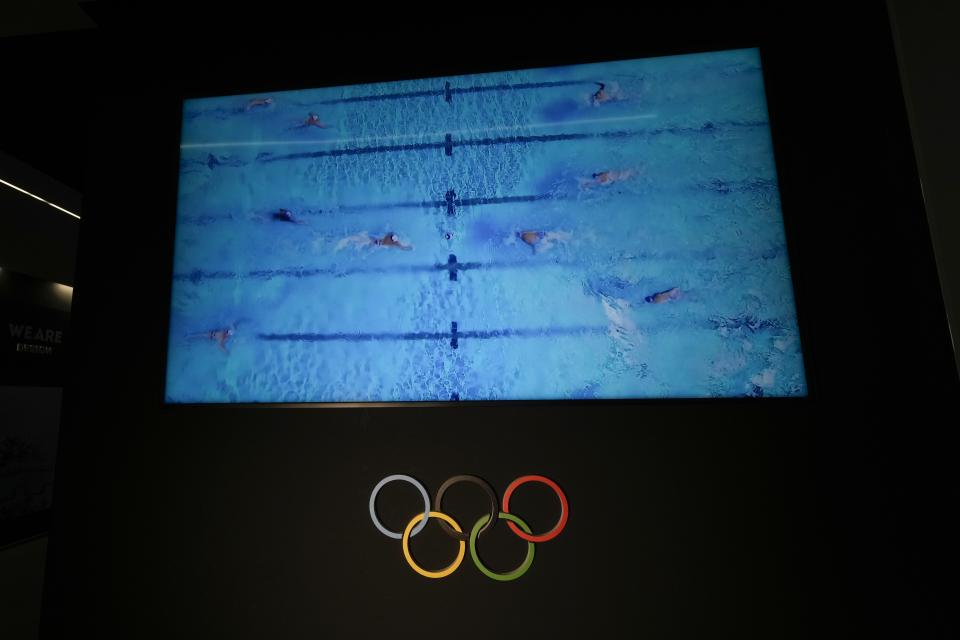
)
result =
(393, 237)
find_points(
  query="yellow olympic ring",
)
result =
(443, 573)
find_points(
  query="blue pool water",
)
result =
(458, 168)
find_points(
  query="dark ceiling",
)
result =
(44, 112)
(44, 16)
(45, 46)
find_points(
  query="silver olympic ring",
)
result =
(373, 509)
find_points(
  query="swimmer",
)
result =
(391, 240)
(663, 296)
(602, 95)
(259, 102)
(221, 336)
(211, 162)
(605, 178)
(542, 240)
(364, 239)
(285, 215)
(313, 120)
(532, 238)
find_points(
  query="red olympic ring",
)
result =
(564, 508)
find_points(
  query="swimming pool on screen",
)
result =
(604, 231)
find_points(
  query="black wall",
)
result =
(762, 519)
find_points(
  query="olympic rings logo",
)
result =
(481, 526)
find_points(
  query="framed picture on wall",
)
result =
(34, 319)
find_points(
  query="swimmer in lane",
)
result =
(259, 102)
(220, 336)
(540, 241)
(359, 240)
(605, 94)
(391, 240)
(663, 296)
(606, 178)
(313, 120)
(285, 215)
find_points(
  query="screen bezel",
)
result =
(791, 222)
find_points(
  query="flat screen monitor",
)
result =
(599, 231)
